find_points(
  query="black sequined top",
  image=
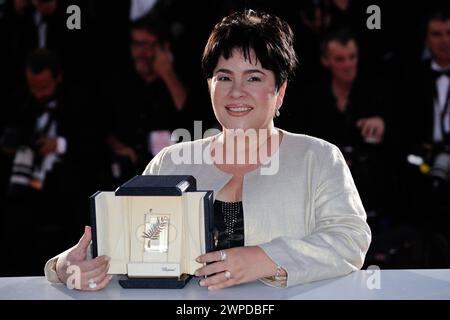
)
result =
(229, 224)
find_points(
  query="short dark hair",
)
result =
(342, 36)
(153, 25)
(437, 14)
(42, 59)
(270, 38)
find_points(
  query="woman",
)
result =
(302, 219)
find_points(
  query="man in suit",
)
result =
(48, 137)
(422, 113)
(423, 129)
(427, 89)
(43, 25)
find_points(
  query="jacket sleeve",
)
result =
(50, 265)
(50, 270)
(339, 236)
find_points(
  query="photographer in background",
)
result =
(48, 140)
(423, 119)
(143, 102)
(426, 87)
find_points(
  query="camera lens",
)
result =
(441, 166)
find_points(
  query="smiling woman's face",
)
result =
(243, 93)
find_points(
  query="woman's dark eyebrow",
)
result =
(246, 71)
(254, 71)
(223, 71)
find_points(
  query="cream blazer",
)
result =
(307, 215)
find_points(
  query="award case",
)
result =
(153, 228)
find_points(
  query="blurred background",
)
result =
(85, 109)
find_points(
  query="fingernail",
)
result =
(110, 277)
(197, 259)
(202, 283)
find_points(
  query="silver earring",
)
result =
(277, 113)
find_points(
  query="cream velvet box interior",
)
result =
(153, 226)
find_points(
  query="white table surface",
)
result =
(394, 284)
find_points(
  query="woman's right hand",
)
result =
(92, 273)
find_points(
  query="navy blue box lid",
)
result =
(151, 185)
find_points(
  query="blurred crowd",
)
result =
(86, 109)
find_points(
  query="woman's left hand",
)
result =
(234, 266)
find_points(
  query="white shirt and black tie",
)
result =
(441, 101)
(41, 26)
